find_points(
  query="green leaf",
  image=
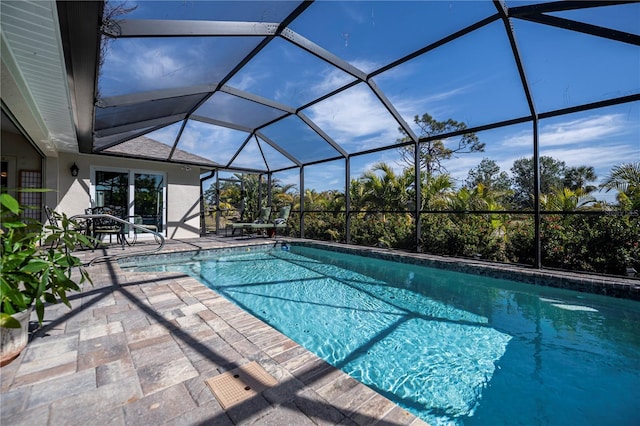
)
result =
(10, 203)
(40, 310)
(35, 265)
(7, 321)
(13, 299)
(64, 299)
(42, 285)
(14, 225)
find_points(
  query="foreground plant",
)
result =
(36, 262)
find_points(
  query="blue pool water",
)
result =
(451, 348)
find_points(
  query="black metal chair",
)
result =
(103, 226)
(79, 225)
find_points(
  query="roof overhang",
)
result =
(80, 29)
(35, 90)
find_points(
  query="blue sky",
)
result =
(473, 79)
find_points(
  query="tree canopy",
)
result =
(433, 152)
(551, 177)
(488, 174)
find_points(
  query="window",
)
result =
(139, 194)
(31, 179)
(112, 190)
(148, 198)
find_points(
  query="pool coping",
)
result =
(618, 287)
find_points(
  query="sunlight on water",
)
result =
(449, 347)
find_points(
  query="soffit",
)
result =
(34, 80)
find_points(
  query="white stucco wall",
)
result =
(183, 189)
(19, 154)
(71, 195)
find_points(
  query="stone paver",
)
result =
(47, 392)
(46, 374)
(136, 349)
(156, 408)
(46, 361)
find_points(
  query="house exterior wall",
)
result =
(19, 154)
(71, 195)
(183, 189)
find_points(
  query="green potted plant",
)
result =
(36, 266)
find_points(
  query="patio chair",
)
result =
(79, 225)
(279, 222)
(53, 221)
(265, 212)
(138, 220)
(103, 226)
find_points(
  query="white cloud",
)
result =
(445, 95)
(154, 65)
(361, 164)
(249, 157)
(585, 129)
(325, 176)
(580, 130)
(594, 155)
(144, 69)
(137, 65)
(290, 177)
(355, 118)
(331, 80)
(248, 80)
(208, 141)
(459, 167)
(166, 135)
(365, 64)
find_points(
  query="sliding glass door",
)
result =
(111, 190)
(138, 194)
(148, 200)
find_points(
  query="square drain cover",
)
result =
(240, 384)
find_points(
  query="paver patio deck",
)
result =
(136, 349)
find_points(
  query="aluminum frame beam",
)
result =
(278, 148)
(187, 28)
(584, 28)
(257, 99)
(154, 95)
(322, 134)
(80, 32)
(140, 125)
(325, 55)
(220, 123)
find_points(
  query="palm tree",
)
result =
(470, 199)
(250, 195)
(335, 200)
(323, 201)
(357, 194)
(386, 191)
(436, 192)
(284, 195)
(480, 197)
(576, 178)
(625, 178)
(566, 200)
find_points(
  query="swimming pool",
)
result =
(451, 348)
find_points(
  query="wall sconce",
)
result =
(186, 168)
(74, 169)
